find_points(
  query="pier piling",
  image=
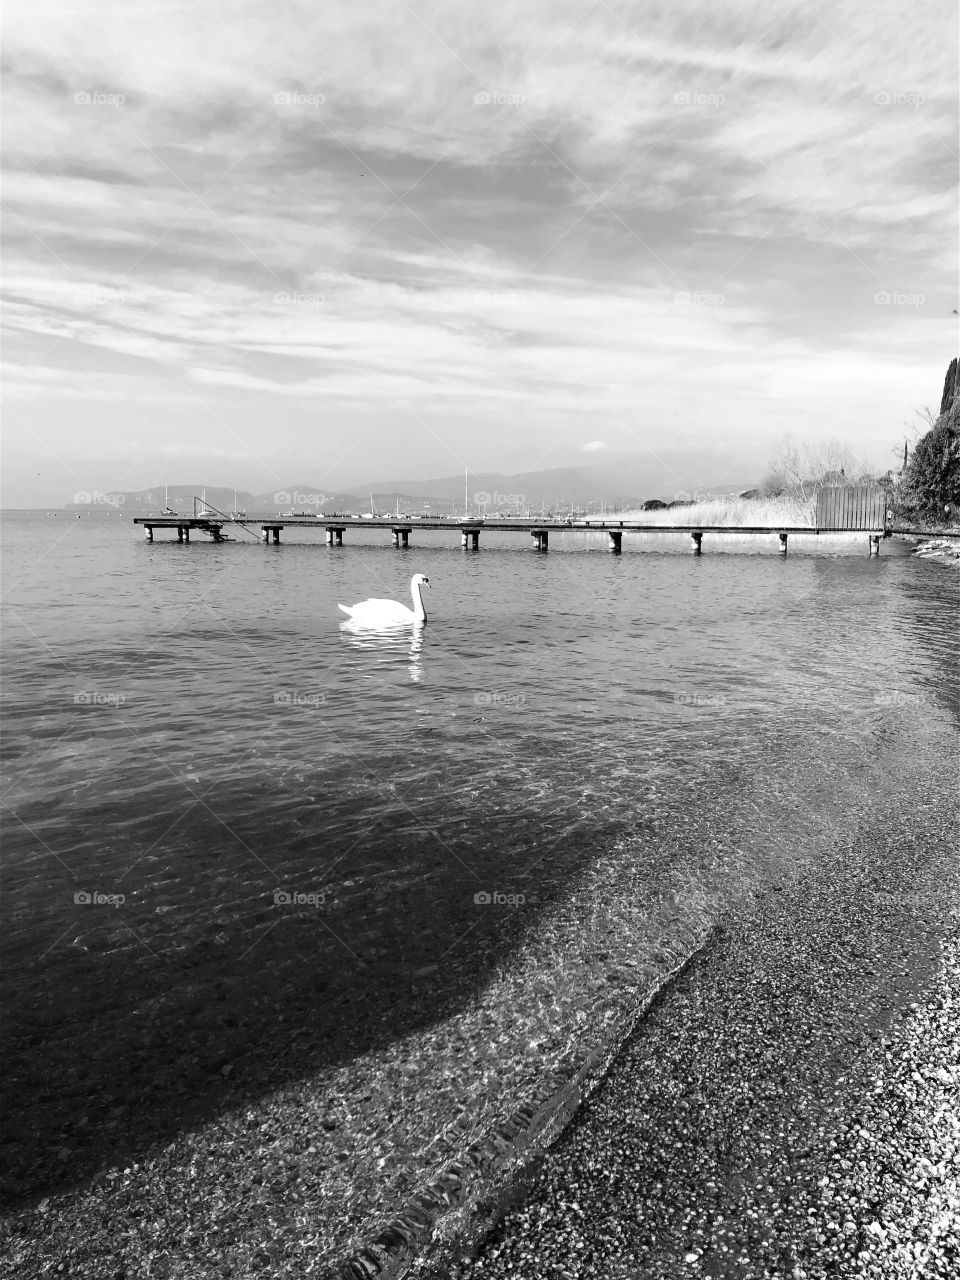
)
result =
(783, 544)
(615, 540)
(696, 539)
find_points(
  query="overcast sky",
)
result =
(251, 243)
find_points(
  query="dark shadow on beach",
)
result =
(128, 1023)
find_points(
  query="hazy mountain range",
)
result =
(552, 489)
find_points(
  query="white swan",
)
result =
(390, 613)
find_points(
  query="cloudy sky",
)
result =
(251, 243)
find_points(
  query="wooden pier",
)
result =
(469, 531)
(851, 509)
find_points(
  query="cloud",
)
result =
(593, 446)
(489, 214)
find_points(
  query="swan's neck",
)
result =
(419, 611)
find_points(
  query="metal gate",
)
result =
(859, 506)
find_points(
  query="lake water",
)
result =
(189, 732)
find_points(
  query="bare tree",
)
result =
(802, 470)
(924, 420)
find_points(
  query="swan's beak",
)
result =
(426, 582)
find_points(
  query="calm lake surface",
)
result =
(165, 703)
(189, 732)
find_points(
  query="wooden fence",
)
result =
(854, 507)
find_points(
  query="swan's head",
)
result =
(420, 579)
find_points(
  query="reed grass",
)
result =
(734, 512)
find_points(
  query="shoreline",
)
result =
(559, 1006)
(939, 549)
(802, 1069)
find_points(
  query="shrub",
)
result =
(930, 485)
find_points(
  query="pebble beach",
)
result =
(791, 1107)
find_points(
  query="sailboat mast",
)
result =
(466, 489)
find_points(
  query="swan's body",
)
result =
(390, 613)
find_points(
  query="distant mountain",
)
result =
(561, 488)
(309, 497)
(616, 482)
(151, 501)
(537, 486)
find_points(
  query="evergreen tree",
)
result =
(930, 484)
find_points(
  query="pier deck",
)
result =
(400, 528)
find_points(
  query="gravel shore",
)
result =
(289, 1181)
(792, 1105)
(943, 549)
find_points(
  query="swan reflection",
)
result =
(396, 641)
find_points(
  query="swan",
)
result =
(390, 613)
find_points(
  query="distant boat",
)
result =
(237, 513)
(167, 509)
